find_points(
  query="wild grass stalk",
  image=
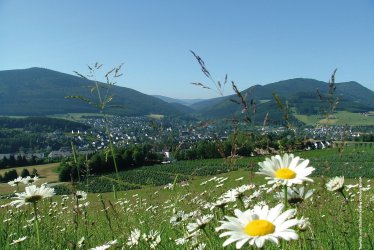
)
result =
(107, 217)
(102, 105)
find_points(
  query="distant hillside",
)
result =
(37, 91)
(186, 102)
(301, 95)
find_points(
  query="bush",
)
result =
(62, 189)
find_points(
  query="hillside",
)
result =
(301, 95)
(37, 91)
(186, 102)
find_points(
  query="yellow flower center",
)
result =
(285, 173)
(259, 228)
(33, 198)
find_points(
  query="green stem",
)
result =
(285, 208)
(349, 206)
(36, 224)
(285, 197)
(241, 202)
(114, 192)
(207, 236)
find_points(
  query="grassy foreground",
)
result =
(161, 217)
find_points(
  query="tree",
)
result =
(25, 173)
(34, 172)
(10, 175)
(138, 157)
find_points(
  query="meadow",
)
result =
(184, 205)
(47, 172)
(341, 118)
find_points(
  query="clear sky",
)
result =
(254, 42)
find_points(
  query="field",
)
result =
(156, 116)
(179, 206)
(46, 172)
(340, 118)
(75, 116)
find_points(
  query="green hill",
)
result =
(37, 91)
(301, 95)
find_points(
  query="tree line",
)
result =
(102, 162)
(19, 161)
(12, 174)
(240, 144)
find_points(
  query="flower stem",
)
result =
(347, 202)
(285, 197)
(207, 236)
(36, 224)
(285, 208)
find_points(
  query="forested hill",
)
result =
(38, 91)
(301, 95)
(41, 124)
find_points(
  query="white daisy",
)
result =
(303, 224)
(178, 218)
(220, 203)
(296, 195)
(201, 246)
(32, 194)
(16, 181)
(335, 184)
(134, 237)
(230, 195)
(81, 242)
(18, 240)
(200, 223)
(153, 238)
(28, 180)
(105, 246)
(81, 195)
(259, 225)
(286, 170)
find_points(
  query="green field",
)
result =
(46, 172)
(156, 116)
(193, 185)
(75, 116)
(339, 118)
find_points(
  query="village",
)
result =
(161, 133)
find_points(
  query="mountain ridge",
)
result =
(301, 93)
(37, 91)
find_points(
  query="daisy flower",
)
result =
(32, 194)
(134, 237)
(200, 223)
(303, 224)
(30, 180)
(259, 225)
(153, 238)
(296, 195)
(286, 170)
(81, 242)
(18, 240)
(81, 195)
(16, 181)
(335, 184)
(178, 218)
(105, 246)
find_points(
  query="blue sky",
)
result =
(254, 42)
